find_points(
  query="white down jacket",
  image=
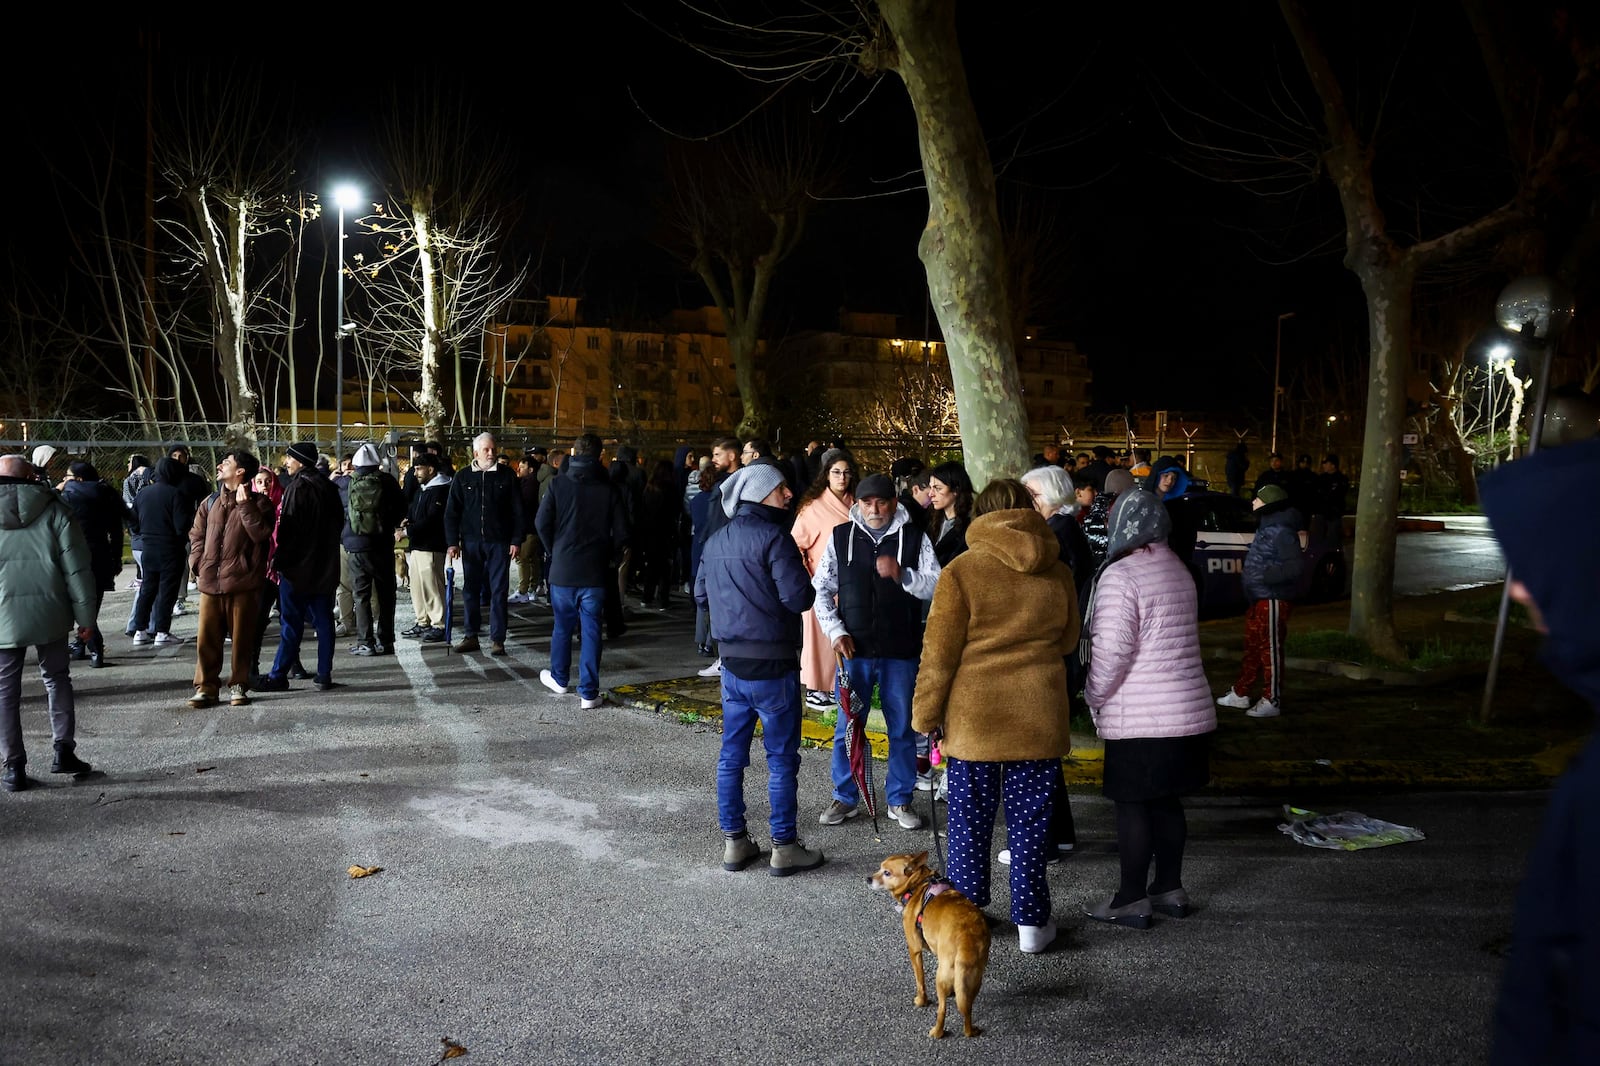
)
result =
(1145, 674)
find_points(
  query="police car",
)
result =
(1212, 531)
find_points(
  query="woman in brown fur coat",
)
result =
(993, 679)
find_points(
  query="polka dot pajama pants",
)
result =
(976, 790)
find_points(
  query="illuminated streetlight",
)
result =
(347, 198)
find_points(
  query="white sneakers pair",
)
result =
(548, 680)
(1262, 708)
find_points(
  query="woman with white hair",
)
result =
(1053, 497)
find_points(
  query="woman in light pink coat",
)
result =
(825, 505)
(1151, 704)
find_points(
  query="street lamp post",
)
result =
(1277, 365)
(1497, 358)
(347, 198)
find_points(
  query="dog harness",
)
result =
(938, 885)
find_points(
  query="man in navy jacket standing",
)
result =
(581, 522)
(483, 525)
(753, 580)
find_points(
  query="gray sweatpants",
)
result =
(57, 686)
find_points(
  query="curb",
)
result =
(1082, 766)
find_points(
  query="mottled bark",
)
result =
(221, 235)
(429, 402)
(962, 247)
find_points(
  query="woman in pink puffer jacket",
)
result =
(1151, 705)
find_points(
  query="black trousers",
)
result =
(372, 581)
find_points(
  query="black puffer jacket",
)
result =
(310, 520)
(164, 511)
(100, 512)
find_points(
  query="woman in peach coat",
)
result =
(825, 504)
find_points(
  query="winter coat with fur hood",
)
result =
(1004, 615)
(1145, 673)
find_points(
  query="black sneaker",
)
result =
(271, 684)
(326, 683)
(297, 673)
(67, 762)
(15, 777)
(433, 636)
(362, 649)
(414, 631)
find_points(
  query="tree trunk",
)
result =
(962, 248)
(1388, 289)
(429, 403)
(742, 350)
(223, 241)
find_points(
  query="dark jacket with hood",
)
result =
(755, 584)
(46, 578)
(310, 520)
(163, 511)
(1549, 1009)
(1274, 564)
(391, 511)
(581, 524)
(100, 512)
(425, 523)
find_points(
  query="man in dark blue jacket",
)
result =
(1272, 570)
(483, 524)
(1549, 1008)
(754, 582)
(581, 522)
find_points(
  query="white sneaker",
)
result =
(1264, 708)
(925, 782)
(179, 608)
(1035, 938)
(908, 818)
(194, 586)
(1232, 699)
(166, 639)
(142, 637)
(1062, 851)
(714, 670)
(589, 705)
(820, 700)
(547, 679)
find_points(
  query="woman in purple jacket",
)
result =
(1147, 691)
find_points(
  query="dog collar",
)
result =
(933, 888)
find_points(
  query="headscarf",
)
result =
(1137, 518)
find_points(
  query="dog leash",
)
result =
(935, 758)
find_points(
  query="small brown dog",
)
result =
(943, 921)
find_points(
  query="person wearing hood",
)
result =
(581, 520)
(228, 547)
(993, 680)
(483, 524)
(424, 528)
(162, 513)
(374, 506)
(1273, 568)
(875, 572)
(1167, 479)
(46, 584)
(140, 474)
(1147, 692)
(754, 584)
(824, 507)
(101, 514)
(1549, 1004)
(195, 488)
(306, 559)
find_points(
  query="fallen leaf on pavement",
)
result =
(365, 871)
(452, 1050)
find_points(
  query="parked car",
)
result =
(1212, 531)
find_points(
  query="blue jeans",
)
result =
(293, 611)
(576, 608)
(487, 574)
(776, 704)
(896, 680)
(976, 789)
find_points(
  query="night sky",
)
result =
(1170, 281)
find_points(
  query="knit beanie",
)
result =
(1269, 494)
(750, 485)
(304, 452)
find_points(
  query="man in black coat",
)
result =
(101, 512)
(581, 521)
(483, 524)
(374, 507)
(162, 513)
(310, 522)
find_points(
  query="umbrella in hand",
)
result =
(853, 709)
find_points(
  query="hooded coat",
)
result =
(1146, 678)
(163, 510)
(100, 512)
(310, 521)
(993, 675)
(1274, 565)
(46, 573)
(1549, 1009)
